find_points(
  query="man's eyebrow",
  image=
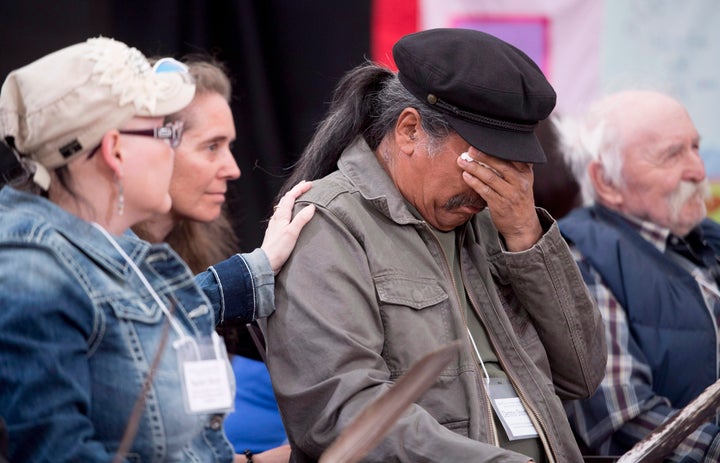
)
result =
(675, 147)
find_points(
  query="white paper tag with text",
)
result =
(510, 410)
(207, 386)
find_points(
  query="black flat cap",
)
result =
(492, 93)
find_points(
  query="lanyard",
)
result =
(173, 322)
(477, 352)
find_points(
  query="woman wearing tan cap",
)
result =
(108, 343)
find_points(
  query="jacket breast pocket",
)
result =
(415, 316)
(137, 310)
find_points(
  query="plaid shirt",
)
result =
(630, 414)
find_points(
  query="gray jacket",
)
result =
(368, 292)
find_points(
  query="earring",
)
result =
(121, 197)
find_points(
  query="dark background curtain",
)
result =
(284, 56)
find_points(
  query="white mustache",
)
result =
(686, 191)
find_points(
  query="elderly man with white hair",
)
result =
(649, 256)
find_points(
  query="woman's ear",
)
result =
(111, 154)
(607, 192)
(406, 130)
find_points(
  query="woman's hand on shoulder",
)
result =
(283, 229)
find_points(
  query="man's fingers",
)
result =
(467, 157)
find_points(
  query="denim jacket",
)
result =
(79, 332)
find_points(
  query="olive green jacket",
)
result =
(368, 292)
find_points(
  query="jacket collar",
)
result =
(651, 232)
(359, 164)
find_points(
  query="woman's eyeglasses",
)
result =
(172, 132)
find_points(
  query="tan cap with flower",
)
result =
(61, 105)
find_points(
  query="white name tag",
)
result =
(207, 386)
(207, 379)
(510, 410)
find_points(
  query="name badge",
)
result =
(510, 410)
(208, 386)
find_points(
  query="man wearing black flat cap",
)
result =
(414, 246)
